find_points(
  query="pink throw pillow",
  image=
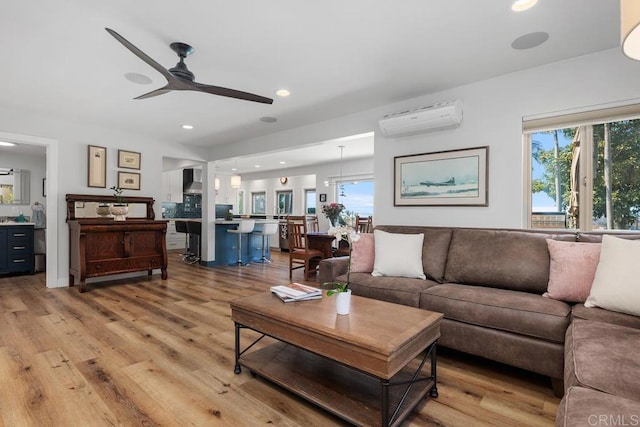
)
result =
(572, 269)
(363, 254)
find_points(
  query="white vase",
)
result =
(343, 302)
(119, 212)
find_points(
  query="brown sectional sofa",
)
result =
(489, 285)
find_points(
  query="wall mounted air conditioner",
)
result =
(445, 115)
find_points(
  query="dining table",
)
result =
(322, 241)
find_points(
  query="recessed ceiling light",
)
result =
(234, 169)
(530, 40)
(283, 163)
(188, 127)
(7, 144)
(256, 166)
(267, 119)
(283, 93)
(522, 5)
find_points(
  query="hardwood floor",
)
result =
(161, 353)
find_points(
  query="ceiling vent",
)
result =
(445, 115)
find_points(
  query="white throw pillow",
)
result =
(616, 285)
(398, 255)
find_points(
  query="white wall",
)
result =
(36, 165)
(493, 112)
(72, 140)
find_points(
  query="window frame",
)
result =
(307, 191)
(584, 120)
(254, 195)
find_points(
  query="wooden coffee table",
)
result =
(355, 366)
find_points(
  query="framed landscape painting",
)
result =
(129, 180)
(444, 178)
(128, 159)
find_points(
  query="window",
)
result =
(240, 202)
(357, 197)
(284, 202)
(258, 203)
(310, 201)
(587, 175)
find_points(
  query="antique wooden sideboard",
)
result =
(101, 246)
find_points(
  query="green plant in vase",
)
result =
(117, 192)
(349, 235)
(119, 209)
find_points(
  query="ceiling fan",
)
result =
(180, 78)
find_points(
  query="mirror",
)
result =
(14, 186)
(94, 210)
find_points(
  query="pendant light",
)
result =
(236, 180)
(630, 28)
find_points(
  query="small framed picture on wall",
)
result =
(129, 180)
(128, 159)
(323, 197)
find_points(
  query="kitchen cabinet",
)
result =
(175, 240)
(16, 248)
(172, 186)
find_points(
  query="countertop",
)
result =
(237, 221)
(17, 223)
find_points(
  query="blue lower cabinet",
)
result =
(227, 246)
(16, 244)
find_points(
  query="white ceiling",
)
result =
(335, 57)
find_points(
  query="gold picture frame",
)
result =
(129, 180)
(97, 167)
(129, 159)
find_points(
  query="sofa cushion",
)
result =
(398, 254)
(596, 236)
(585, 407)
(615, 285)
(434, 250)
(603, 357)
(579, 311)
(571, 270)
(362, 254)
(399, 290)
(499, 258)
(517, 312)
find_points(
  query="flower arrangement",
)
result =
(349, 235)
(117, 192)
(332, 211)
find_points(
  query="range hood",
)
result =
(192, 181)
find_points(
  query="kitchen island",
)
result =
(227, 243)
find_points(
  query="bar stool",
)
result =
(195, 229)
(244, 227)
(268, 229)
(181, 227)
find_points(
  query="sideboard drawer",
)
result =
(123, 265)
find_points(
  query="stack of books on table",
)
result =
(296, 292)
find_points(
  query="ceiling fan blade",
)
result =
(140, 54)
(153, 93)
(231, 93)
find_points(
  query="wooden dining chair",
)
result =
(312, 223)
(299, 252)
(364, 224)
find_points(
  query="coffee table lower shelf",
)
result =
(344, 391)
